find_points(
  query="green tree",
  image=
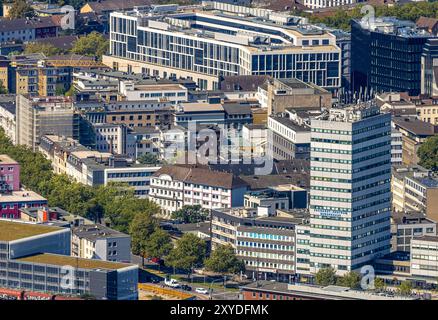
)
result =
(223, 260)
(141, 228)
(3, 89)
(159, 244)
(188, 253)
(93, 44)
(325, 277)
(21, 9)
(350, 280)
(190, 214)
(45, 48)
(148, 158)
(379, 284)
(428, 153)
(405, 288)
(71, 91)
(60, 91)
(114, 204)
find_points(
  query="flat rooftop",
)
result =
(21, 196)
(5, 159)
(415, 126)
(250, 32)
(15, 230)
(158, 87)
(323, 293)
(97, 231)
(61, 260)
(202, 107)
(91, 154)
(427, 181)
(290, 124)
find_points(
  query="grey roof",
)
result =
(9, 106)
(202, 176)
(62, 42)
(7, 25)
(237, 108)
(252, 126)
(410, 218)
(33, 211)
(259, 182)
(427, 181)
(290, 124)
(203, 227)
(97, 231)
(415, 126)
(242, 83)
(114, 5)
(7, 98)
(279, 167)
(145, 130)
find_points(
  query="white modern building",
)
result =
(7, 120)
(289, 139)
(424, 257)
(114, 138)
(132, 91)
(136, 176)
(173, 187)
(97, 241)
(396, 147)
(350, 197)
(204, 44)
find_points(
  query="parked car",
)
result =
(186, 287)
(158, 261)
(201, 290)
(172, 283)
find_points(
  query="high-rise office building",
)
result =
(38, 116)
(350, 187)
(204, 45)
(429, 65)
(386, 55)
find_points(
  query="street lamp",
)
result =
(210, 289)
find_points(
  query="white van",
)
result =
(172, 283)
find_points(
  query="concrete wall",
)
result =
(57, 242)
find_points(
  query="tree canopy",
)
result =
(148, 158)
(3, 89)
(190, 214)
(428, 153)
(159, 244)
(325, 277)
(188, 253)
(115, 203)
(223, 260)
(379, 284)
(405, 288)
(93, 44)
(141, 228)
(350, 280)
(21, 9)
(45, 48)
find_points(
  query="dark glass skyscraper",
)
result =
(386, 55)
(429, 61)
